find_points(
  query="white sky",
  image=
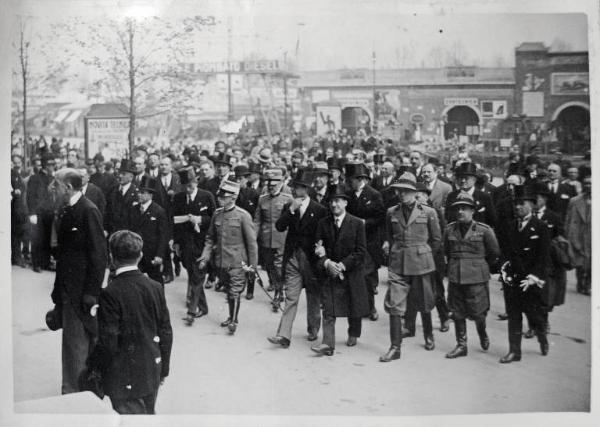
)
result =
(343, 33)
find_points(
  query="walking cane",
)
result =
(262, 286)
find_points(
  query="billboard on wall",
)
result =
(570, 84)
(329, 118)
(108, 136)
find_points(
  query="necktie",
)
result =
(338, 223)
(521, 224)
(540, 215)
(302, 210)
(165, 182)
(122, 190)
(188, 199)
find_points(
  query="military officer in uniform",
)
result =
(470, 247)
(192, 212)
(231, 245)
(412, 236)
(149, 220)
(270, 240)
(524, 272)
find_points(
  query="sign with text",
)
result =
(107, 136)
(474, 102)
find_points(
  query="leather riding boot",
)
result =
(428, 331)
(514, 340)
(230, 303)
(410, 318)
(460, 331)
(250, 288)
(395, 338)
(543, 339)
(234, 319)
(484, 340)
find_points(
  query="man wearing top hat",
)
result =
(341, 248)
(470, 247)
(336, 168)
(366, 203)
(149, 220)
(231, 247)
(121, 199)
(254, 177)
(524, 272)
(270, 240)
(466, 176)
(222, 162)
(412, 237)
(300, 218)
(192, 212)
(248, 197)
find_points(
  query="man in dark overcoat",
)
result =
(81, 260)
(524, 273)
(300, 218)
(149, 220)
(132, 357)
(341, 248)
(121, 199)
(366, 203)
(192, 210)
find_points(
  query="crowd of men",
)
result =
(323, 221)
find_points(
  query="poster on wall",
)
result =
(494, 109)
(387, 105)
(533, 104)
(570, 84)
(107, 136)
(329, 119)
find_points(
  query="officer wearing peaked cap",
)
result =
(470, 247)
(231, 247)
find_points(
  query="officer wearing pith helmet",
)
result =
(470, 248)
(231, 242)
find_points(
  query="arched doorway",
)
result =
(353, 118)
(462, 120)
(572, 125)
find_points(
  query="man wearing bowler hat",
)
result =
(524, 272)
(231, 246)
(270, 240)
(367, 204)
(121, 199)
(300, 218)
(341, 248)
(412, 237)
(192, 212)
(466, 176)
(149, 220)
(470, 247)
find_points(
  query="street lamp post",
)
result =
(373, 127)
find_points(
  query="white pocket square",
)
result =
(564, 196)
(152, 218)
(203, 209)
(368, 202)
(74, 229)
(482, 209)
(535, 236)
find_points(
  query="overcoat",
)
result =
(190, 239)
(347, 297)
(152, 226)
(118, 207)
(267, 213)
(578, 227)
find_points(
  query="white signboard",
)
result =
(506, 142)
(329, 118)
(533, 104)
(108, 136)
(461, 101)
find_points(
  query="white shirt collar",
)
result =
(125, 269)
(125, 187)
(84, 189)
(145, 205)
(471, 191)
(305, 203)
(339, 219)
(361, 188)
(193, 195)
(75, 198)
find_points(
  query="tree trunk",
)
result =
(131, 91)
(23, 58)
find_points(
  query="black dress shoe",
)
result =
(249, 296)
(544, 348)
(503, 316)
(189, 320)
(529, 334)
(459, 351)
(37, 270)
(199, 314)
(444, 326)
(208, 284)
(374, 316)
(392, 354)
(312, 337)
(225, 323)
(351, 341)
(323, 349)
(429, 343)
(406, 333)
(484, 342)
(231, 327)
(511, 357)
(281, 341)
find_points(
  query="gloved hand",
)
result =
(319, 249)
(90, 304)
(201, 264)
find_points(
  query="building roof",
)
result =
(108, 110)
(363, 77)
(531, 47)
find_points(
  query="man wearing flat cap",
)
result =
(192, 212)
(466, 176)
(231, 247)
(270, 240)
(524, 272)
(470, 247)
(412, 237)
(149, 220)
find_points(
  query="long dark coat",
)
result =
(118, 207)
(348, 297)
(96, 196)
(134, 345)
(81, 257)
(554, 293)
(153, 227)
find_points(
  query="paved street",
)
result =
(213, 373)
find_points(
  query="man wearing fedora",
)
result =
(149, 220)
(81, 260)
(270, 240)
(300, 218)
(366, 203)
(192, 212)
(341, 248)
(231, 245)
(470, 247)
(466, 176)
(524, 272)
(412, 236)
(248, 197)
(121, 199)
